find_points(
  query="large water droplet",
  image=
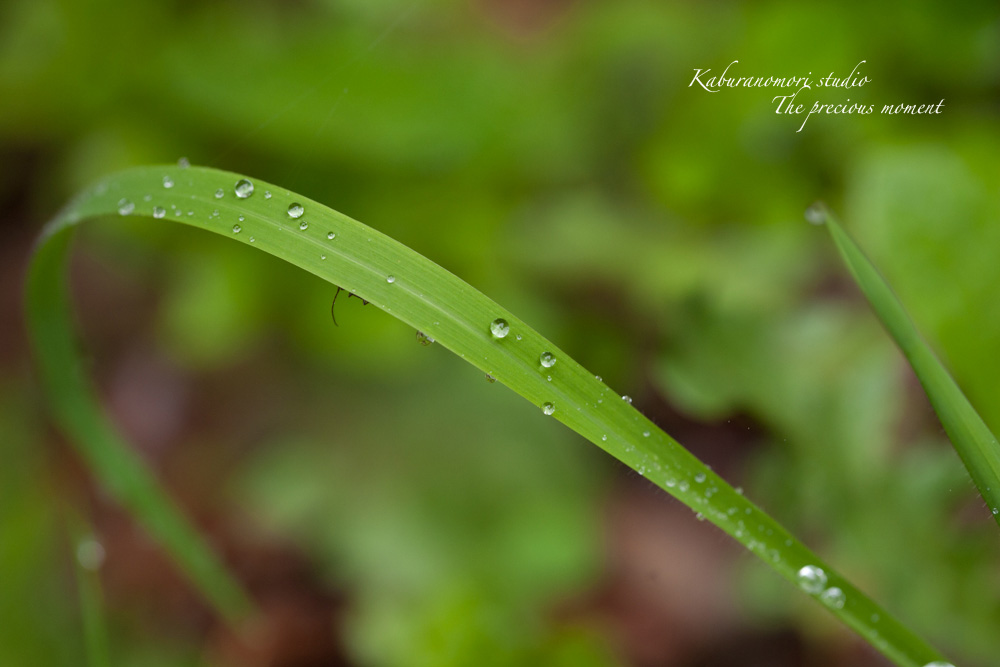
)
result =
(303, 225)
(295, 210)
(833, 597)
(547, 359)
(237, 229)
(390, 279)
(499, 328)
(548, 408)
(424, 339)
(331, 236)
(159, 212)
(168, 182)
(816, 214)
(244, 188)
(125, 207)
(812, 579)
(220, 193)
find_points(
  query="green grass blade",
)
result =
(430, 299)
(975, 443)
(80, 416)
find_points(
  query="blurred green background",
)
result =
(387, 506)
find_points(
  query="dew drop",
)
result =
(183, 163)
(548, 360)
(645, 434)
(90, 554)
(303, 225)
(699, 516)
(812, 579)
(125, 207)
(244, 188)
(517, 336)
(939, 663)
(168, 182)
(816, 214)
(424, 339)
(322, 256)
(159, 212)
(220, 193)
(295, 210)
(252, 239)
(627, 399)
(267, 194)
(604, 438)
(548, 409)
(331, 236)
(237, 229)
(684, 486)
(499, 328)
(700, 477)
(491, 380)
(241, 218)
(390, 279)
(833, 597)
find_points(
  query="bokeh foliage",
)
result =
(532, 135)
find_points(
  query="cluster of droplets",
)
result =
(812, 579)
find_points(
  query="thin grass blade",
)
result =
(975, 443)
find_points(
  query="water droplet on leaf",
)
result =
(499, 328)
(548, 408)
(816, 214)
(90, 554)
(303, 225)
(833, 597)
(295, 210)
(627, 399)
(331, 236)
(237, 229)
(159, 212)
(220, 193)
(168, 182)
(390, 279)
(812, 579)
(244, 188)
(125, 207)
(548, 360)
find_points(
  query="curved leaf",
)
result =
(429, 298)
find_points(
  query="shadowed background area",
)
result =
(384, 503)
